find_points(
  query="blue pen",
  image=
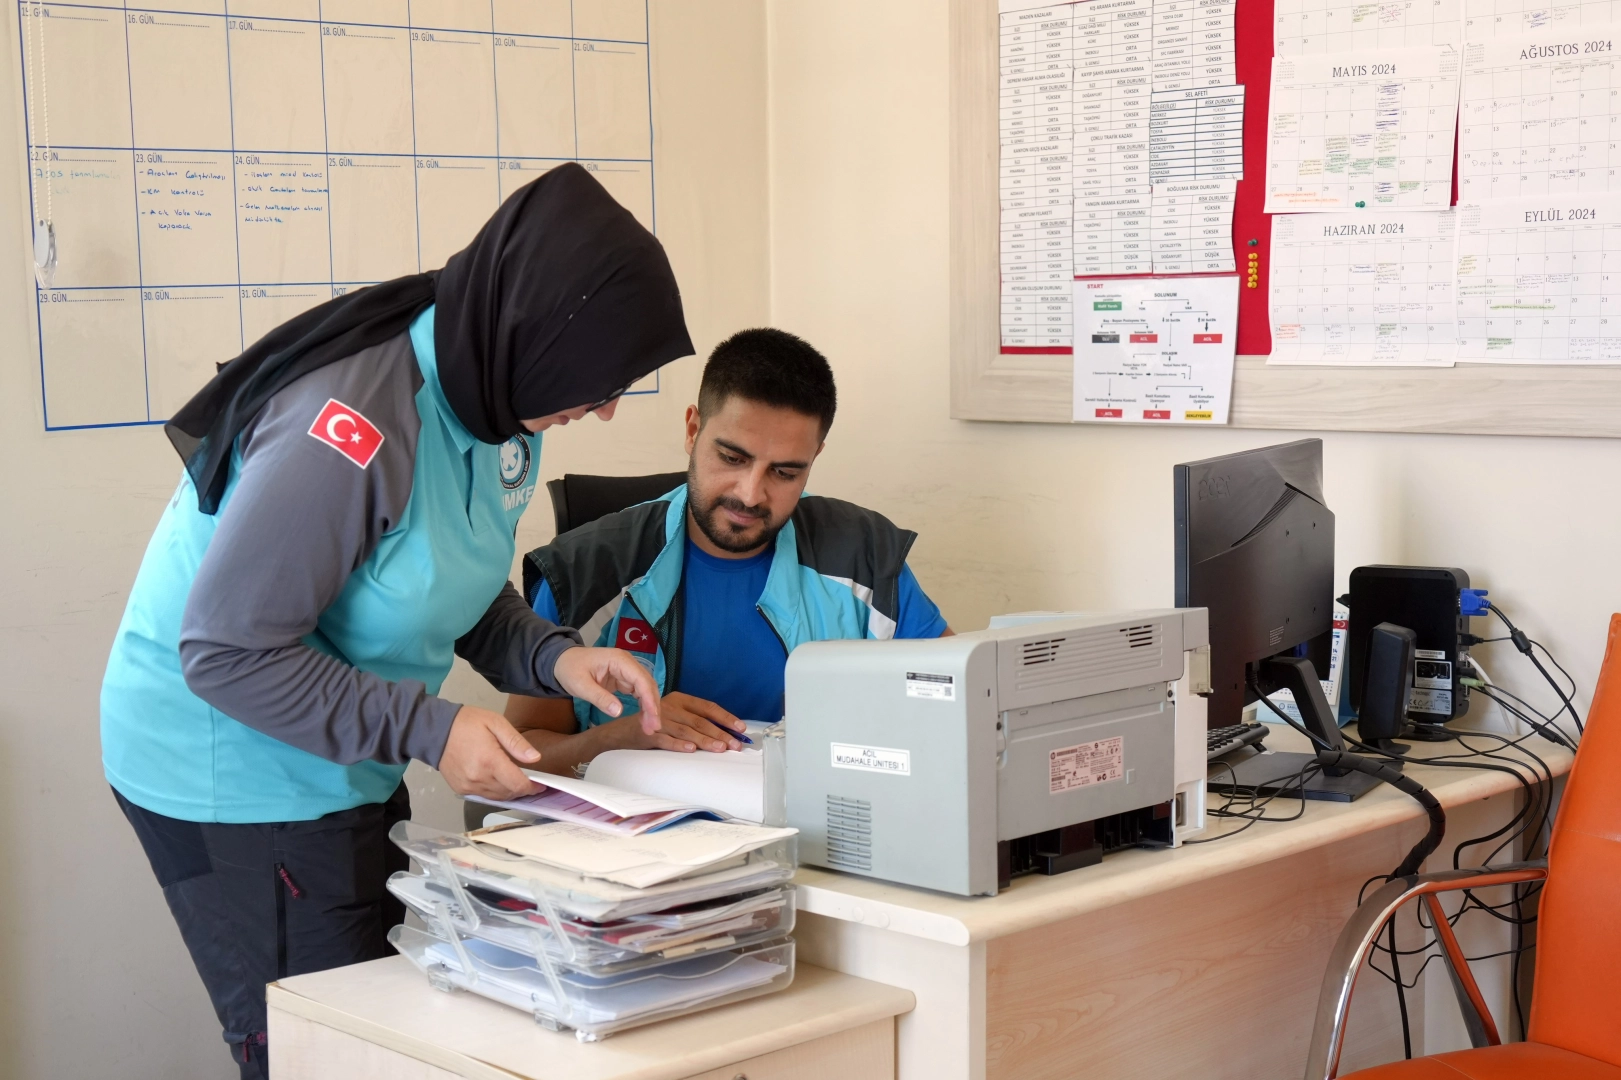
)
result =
(741, 735)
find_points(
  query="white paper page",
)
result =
(639, 861)
(1333, 26)
(620, 997)
(1369, 129)
(1037, 140)
(731, 783)
(1155, 349)
(1193, 227)
(1112, 59)
(599, 898)
(1368, 287)
(1196, 135)
(1537, 280)
(623, 803)
(1487, 19)
(1193, 43)
(1537, 114)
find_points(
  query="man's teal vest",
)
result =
(835, 575)
(428, 582)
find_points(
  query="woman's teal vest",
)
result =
(428, 582)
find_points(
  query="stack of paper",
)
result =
(734, 783)
(598, 929)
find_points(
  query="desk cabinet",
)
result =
(382, 1021)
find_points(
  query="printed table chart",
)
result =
(212, 172)
(1036, 139)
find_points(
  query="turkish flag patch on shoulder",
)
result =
(347, 432)
(636, 636)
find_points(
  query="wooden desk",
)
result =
(1200, 962)
(382, 1020)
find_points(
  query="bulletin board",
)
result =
(1036, 386)
(212, 169)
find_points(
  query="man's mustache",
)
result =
(737, 506)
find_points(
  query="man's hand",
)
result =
(596, 675)
(478, 757)
(690, 723)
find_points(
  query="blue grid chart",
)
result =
(215, 167)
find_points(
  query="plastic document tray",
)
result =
(595, 1006)
(599, 948)
(454, 858)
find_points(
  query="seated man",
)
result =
(714, 584)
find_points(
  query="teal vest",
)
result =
(831, 586)
(399, 615)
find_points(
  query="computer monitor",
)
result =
(1255, 546)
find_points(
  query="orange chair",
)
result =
(1575, 1024)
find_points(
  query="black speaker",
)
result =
(1388, 685)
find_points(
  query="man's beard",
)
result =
(721, 533)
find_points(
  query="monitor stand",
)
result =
(1274, 773)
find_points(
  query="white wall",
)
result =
(93, 978)
(1016, 516)
(94, 981)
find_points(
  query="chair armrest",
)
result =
(1334, 1000)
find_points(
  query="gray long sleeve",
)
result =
(515, 649)
(299, 521)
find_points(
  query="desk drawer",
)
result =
(863, 1053)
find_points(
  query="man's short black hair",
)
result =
(772, 367)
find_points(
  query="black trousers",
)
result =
(256, 903)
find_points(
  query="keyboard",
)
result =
(1219, 741)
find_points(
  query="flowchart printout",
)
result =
(1539, 280)
(1037, 138)
(1540, 114)
(1338, 26)
(1156, 350)
(211, 173)
(1362, 129)
(1364, 288)
(1487, 19)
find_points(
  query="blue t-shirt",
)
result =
(729, 653)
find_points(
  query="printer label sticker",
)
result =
(921, 684)
(872, 759)
(1089, 763)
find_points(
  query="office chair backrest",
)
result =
(578, 499)
(1577, 1002)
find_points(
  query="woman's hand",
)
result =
(596, 675)
(689, 723)
(478, 756)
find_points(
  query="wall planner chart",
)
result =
(1433, 181)
(213, 167)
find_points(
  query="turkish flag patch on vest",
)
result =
(636, 636)
(347, 432)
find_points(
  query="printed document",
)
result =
(1156, 350)
(1366, 129)
(1368, 287)
(1536, 280)
(1537, 114)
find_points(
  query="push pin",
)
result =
(1254, 242)
(1360, 204)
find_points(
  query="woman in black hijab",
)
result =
(343, 530)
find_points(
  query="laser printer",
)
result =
(958, 763)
